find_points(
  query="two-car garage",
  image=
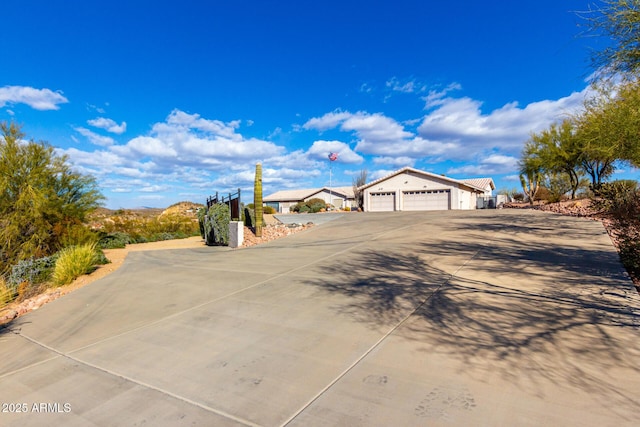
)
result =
(419, 200)
(410, 189)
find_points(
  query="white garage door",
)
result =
(433, 200)
(382, 202)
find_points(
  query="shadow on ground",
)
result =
(536, 315)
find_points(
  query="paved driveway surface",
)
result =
(441, 318)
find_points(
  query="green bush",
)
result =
(313, 205)
(40, 195)
(73, 262)
(621, 201)
(6, 295)
(30, 272)
(216, 225)
(202, 212)
(114, 240)
(269, 210)
(618, 198)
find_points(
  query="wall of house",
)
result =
(337, 200)
(284, 206)
(466, 199)
(410, 181)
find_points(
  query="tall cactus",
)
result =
(257, 199)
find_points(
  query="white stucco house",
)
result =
(281, 201)
(410, 189)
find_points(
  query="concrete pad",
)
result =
(422, 318)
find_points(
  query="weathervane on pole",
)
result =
(332, 158)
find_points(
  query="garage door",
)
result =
(432, 200)
(382, 202)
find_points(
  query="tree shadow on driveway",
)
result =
(537, 315)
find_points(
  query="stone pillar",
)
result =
(236, 234)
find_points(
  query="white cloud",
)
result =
(371, 129)
(189, 140)
(328, 121)
(185, 151)
(320, 151)
(460, 123)
(398, 162)
(494, 164)
(435, 97)
(409, 86)
(379, 173)
(108, 124)
(38, 99)
(154, 188)
(94, 138)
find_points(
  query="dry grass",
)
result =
(73, 262)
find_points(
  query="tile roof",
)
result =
(429, 174)
(297, 195)
(480, 182)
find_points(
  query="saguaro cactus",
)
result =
(257, 199)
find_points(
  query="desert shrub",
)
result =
(202, 212)
(518, 197)
(121, 231)
(543, 194)
(114, 240)
(316, 204)
(216, 225)
(30, 272)
(312, 205)
(6, 296)
(268, 210)
(76, 234)
(347, 209)
(73, 262)
(619, 199)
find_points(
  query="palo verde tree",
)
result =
(618, 21)
(602, 132)
(41, 197)
(531, 168)
(559, 153)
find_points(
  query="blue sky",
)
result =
(166, 101)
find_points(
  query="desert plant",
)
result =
(75, 234)
(30, 272)
(257, 200)
(202, 212)
(6, 295)
(216, 225)
(269, 210)
(73, 262)
(619, 199)
(38, 191)
(114, 240)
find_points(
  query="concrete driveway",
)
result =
(496, 318)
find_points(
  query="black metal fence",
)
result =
(232, 200)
